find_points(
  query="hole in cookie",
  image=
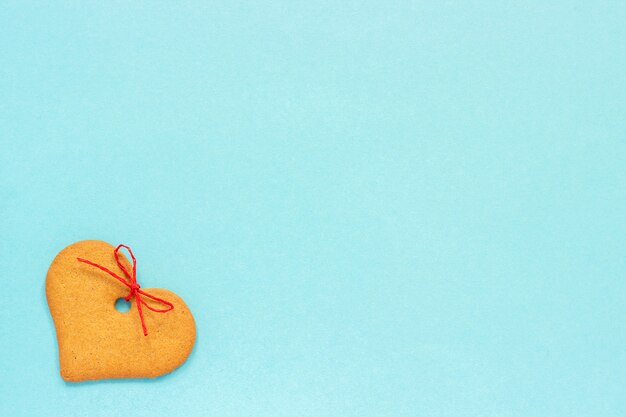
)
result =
(122, 305)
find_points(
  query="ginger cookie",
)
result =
(95, 340)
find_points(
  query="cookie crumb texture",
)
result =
(98, 342)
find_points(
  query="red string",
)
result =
(135, 289)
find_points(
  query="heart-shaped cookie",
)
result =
(95, 340)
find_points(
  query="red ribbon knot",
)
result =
(135, 288)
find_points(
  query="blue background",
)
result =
(372, 208)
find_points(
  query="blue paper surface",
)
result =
(372, 208)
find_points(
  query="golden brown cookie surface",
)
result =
(95, 340)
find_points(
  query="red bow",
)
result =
(135, 289)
